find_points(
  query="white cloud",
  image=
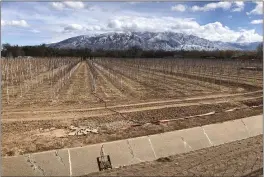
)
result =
(74, 5)
(179, 8)
(58, 5)
(3, 23)
(73, 27)
(256, 21)
(212, 6)
(35, 31)
(94, 8)
(18, 23)
(77, 28)
(114, 24)
(249, 34)
(212, 31)
(258, 9)
(67, 4)
(239, 6)
(134, 2)
(117, 19)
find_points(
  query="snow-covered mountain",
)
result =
(149, 41)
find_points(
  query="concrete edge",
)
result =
(82, 160)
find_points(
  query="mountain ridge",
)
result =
(167, 41)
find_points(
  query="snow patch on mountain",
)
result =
(150, 41)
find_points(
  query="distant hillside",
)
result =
(167, 41)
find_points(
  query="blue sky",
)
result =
(33, 23)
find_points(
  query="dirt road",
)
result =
(29, 115)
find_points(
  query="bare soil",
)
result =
(120, 100)
(20, 137)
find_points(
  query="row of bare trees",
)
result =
(20, 76)
(133, 52)
(209, 70)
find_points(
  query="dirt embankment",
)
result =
(20, 137)
(240, 158)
